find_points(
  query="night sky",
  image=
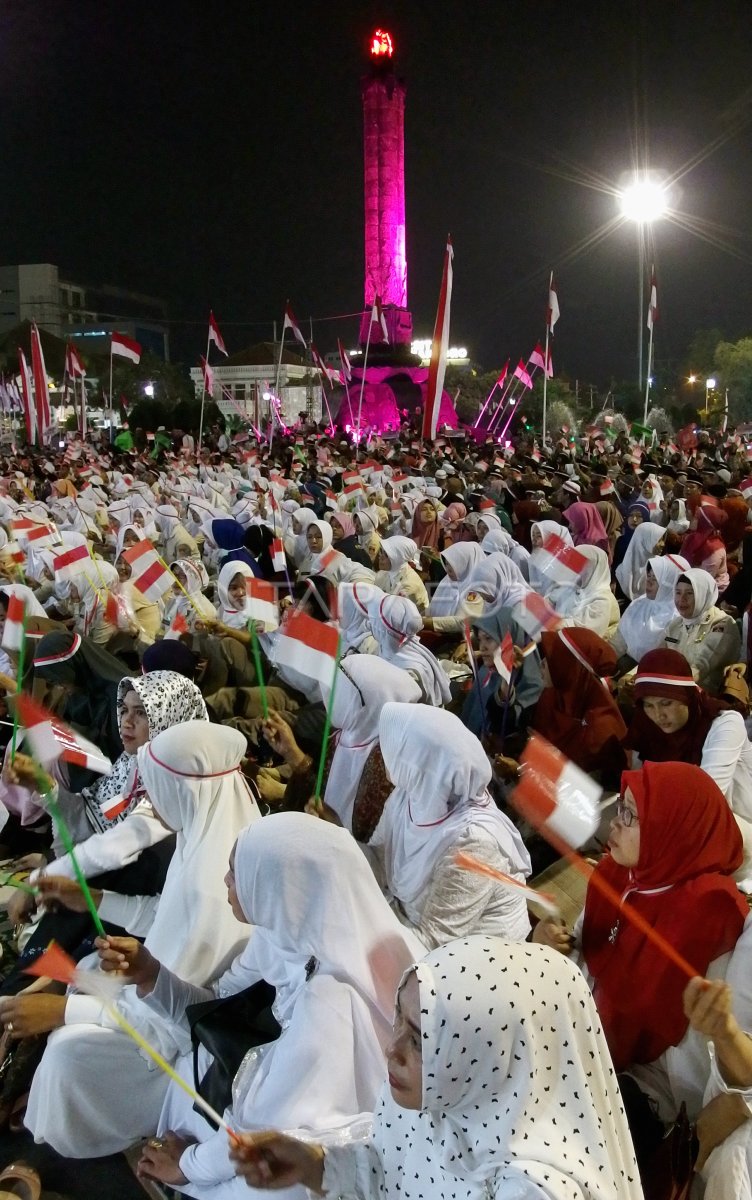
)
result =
(211, 154)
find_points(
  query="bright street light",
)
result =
(643, 201)
(709, 383)
(692, 379)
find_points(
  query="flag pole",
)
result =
(203, 390)
(485, 406)
(363, 376)
(111, 406)
(647, 377)
(83, 407)
(545, 385)
(276, 377)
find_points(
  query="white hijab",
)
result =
(234, 618)
(441, 775)
(463, 558)
(354, 623)
(539, 580)
(364, 685)
(395, 622)
(630, 573)
(519, 1092)
(592, 586)
(498, 541)
(705, 589)
(643, 623)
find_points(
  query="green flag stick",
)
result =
(327, 728)
(19, 686)
(259, 672)
(16, 883)
(67, 841)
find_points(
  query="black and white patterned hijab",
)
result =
(520, 1096)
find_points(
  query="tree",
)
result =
(733, 370)
(701, 353)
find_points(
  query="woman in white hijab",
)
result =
(94, 1093)
(326, 939)
(441, 806)
(708, 638)
(396, 623)
(354, 623)
(589, 603)
(643, 623)
(478, 1102)
(192, 574)
(450, 606)
(233, 594)
(540, 531)
(630, 574)
(364, 685)
(298, 547)
(88, 594)
(398, 557)
(498, 541)
(175, 538)
(499, 582)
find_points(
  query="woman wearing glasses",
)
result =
(674, 845)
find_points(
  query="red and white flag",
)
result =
(560, 562)
(208, 377)
(502, 378)
(538, 358)
(555, 796)
(261, 604)
(41, 385)
(552, 310)
(21, 527)
(521, 374)
(148, 572)
(653, 302)
(378, 318)
(30, 416)
(279, 562)
(74, 367)
(325, 560)
(13, 551)
(330, 500)
(71, 562)
(346, 364)
(125, 347)
(290, 323)
(51, 741)
(15, 625)
(308, 646)
(328, 374)
(439, 348)
(215, 336)
(550, 365)
(41, 537)
(535, 615)
(503, 659)
(178, 626)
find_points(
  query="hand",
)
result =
(127, 957)
(459, 654)
(7, 684)
(317, 808)
(507, 768)
(20, 907)
(54, 890)
(273, 1160)
(23, 1016)
(281, 738)
(160, 1158)
(24, 772)
(707, 1005)
(554, 934)
(270, 786)
(718, 1119)
(428, 622)
(31, 862)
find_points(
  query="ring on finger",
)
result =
(9, 1027)
(155, 1144)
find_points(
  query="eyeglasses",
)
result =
(625, 816)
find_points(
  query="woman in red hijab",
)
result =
(576, 712)
(586, 525)
(674, 846)
(425, 527)
(703, 545)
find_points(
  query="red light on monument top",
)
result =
(381, 44)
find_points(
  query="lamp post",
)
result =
(643, 201)
(709, 387)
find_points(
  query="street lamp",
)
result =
(709, 387)
(643, 201)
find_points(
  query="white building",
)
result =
(243, 384)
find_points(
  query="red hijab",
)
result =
(689, 846)
(425, 534)
(667, 673)
(577, 713)
(700, 543)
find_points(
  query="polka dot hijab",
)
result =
(520, 1097)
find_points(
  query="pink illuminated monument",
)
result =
(395, 382)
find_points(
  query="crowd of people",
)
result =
(282, 848)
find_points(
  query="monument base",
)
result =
(391, 395)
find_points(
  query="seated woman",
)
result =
(676, 721)
(324, 560)
(539, 532)
(498, 541)
(191, 575)
(452, 603)
(397, 573)
(324, 937)
(424, 527)
(191, 776)
(633, 549)
(643, 623)
(441, 806)
(489, 707)
(674, 846)
(703, 546)
(504, 1126)
(708, 638)
(345, 538)
(82, 683)
(353, 600)
(586, 525)
(395, 623)
(575, 712)
(88, 604)
(589, 603)
(144, 616)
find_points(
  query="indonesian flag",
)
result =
(54, 963)
(503, 659)
(125, 347)
(15, 621)
(534, 615)
(73, 365)
(439, 347)
(544, 900)
(352, 489)
(325, 560)
(208, 377)
(261, 604)
(538, 358)
(30, 416)
(41, 536)
(378, 318)
(346, 364)
(41, 385)
(653, 303)
(279, 561)
(178, 626)
(215, 336)
(71, 563)
(555, 796)
(550, 365)
(552, 311)
(308, 646)
(52, 741)
(13, 551)
(290, 323)
(327, 373)
(149, 574)
(21, 526)
(331, 500)
(521, 374)
(560, 562)
(502, 378)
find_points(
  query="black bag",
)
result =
(228, 1028)
(672, 1167)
